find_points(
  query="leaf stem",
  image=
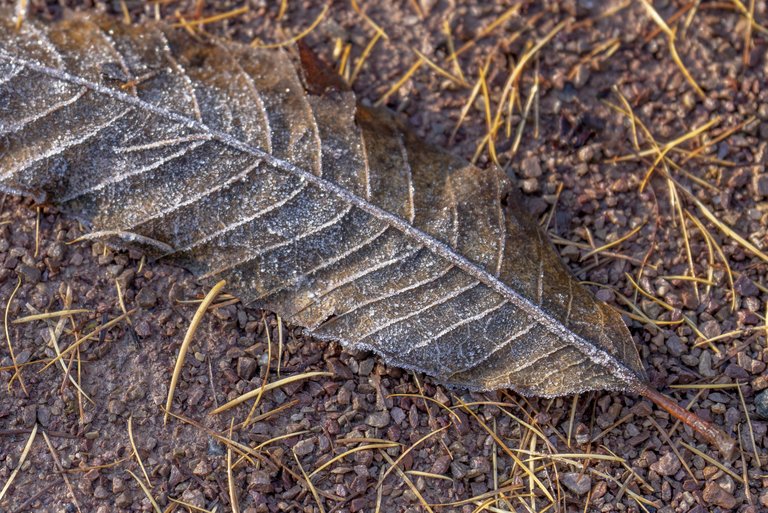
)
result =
(713, 434)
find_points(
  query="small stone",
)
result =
(101, 492)
(760, 184)
(675, 346)
(366, 366)
(705, 365)
(379, 419)
(123, 500)
(745, 287)
(304, 447)
(246, 367)
(668, 465)
(714, 494)
(576, 482)
(261, 482)
(761, 404)
(441, 465)
(358, 504)
(398, 415)
(202, 469)
(194, 497)
(146, 298)
(29, 274)
(531, 168)
(529, 185)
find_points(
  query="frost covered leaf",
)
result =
(214, 155)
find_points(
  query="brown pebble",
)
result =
(714, 494)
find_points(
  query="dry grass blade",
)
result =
(147, 492)
(714, 462)
(234, 502)
(407, 481)
(510, 453)
(22, 459)
(136, 451)
(413, 446)
(188, 340)
(16, 368)
(60, 470)
(270, 386)
(89, 336)
(349, 452)
(50, 315)
(301, 35)
(311, 487)
(672, 49)
(212, 19)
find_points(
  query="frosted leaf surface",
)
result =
(214, 155)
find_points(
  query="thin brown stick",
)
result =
(714, 435)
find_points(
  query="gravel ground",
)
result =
(598, 452)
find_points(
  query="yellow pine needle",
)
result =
(146, 491)
(121, 302)
(349, 452)
(270, 386)
(136, 451)
(668, 307)
(412, 447)
(266, 375)
(363, 57)
(212, 19)
(495, 494)
(368, 20)
(712, 244)
(511, 454)
(615, 242)
(408, 482)
(89, 336)
(198, 317)
(397, 85)
(524, 117)
(297, 37)
(230, 477)
(283, 9)
(61, 471)
(466, 46)
(517, 72)
(714, 462)
(430, 475)
(471, 98)
(311, 487)
(279, 344)
(22, 458)
(50, 315)
(452, 57)
(672, 49)
(21, 13)
(16, 368)
(440, 71)
(190, 507)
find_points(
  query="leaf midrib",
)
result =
(594, 353)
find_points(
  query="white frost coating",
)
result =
(65, 145)
(135, 172)
(293, 240)
(596, 354)
(458, 324)
(442, 300)
(130, 237)
(19, 125)
(244, 220)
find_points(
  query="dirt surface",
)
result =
(582, 174)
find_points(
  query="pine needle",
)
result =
(187, 341)
(22, 458)
(270, 386)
